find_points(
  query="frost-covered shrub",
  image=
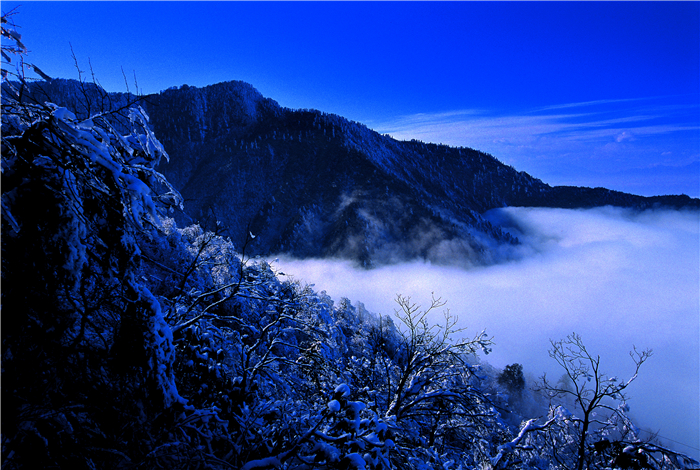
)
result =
(85, 344)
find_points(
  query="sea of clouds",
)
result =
(617, 277)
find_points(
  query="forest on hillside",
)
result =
(130, 342)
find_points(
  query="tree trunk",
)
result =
(582, 443)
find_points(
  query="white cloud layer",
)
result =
(617, 278)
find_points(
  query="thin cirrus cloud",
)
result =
(455, 127)
(589, 103)
(580, 143)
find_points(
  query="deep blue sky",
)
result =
(595, 94)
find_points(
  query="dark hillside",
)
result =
(312, 184)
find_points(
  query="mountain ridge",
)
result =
(313, 184)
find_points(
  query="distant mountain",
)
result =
(312, 184)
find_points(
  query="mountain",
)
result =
(313, 184)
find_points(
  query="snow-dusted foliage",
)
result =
(84, 342)
(302, 383)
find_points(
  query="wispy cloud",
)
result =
(590, 103)
(457, 127)
(585, 137)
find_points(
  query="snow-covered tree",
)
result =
(82, 336)
(419, 376)
(591, 388)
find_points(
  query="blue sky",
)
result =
(595, 94)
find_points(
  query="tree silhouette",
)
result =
(512, 378)
(590, 388)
